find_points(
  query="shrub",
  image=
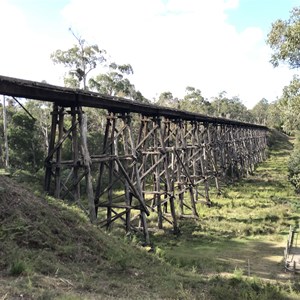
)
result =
(17, 267)
(294, 170)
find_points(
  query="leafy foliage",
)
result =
(294, 164)
(289, 106)
(231, 108)
(167, 99)
(260, 112)
(115, 83)
(284, 39)
(195, 102)
(25, 150)
(80, 60)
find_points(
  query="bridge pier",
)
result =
(150, 157)
(146, 170)
(61, 169)
(118, 171)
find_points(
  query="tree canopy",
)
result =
(284, 40)
(289, 106)
(80, 60)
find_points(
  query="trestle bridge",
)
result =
(151, 160)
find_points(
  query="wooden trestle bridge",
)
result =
(154, 155)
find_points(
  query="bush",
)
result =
(294, 170)
(17, 267)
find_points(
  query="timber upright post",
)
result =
(118, 169)
(188, 165)
(233, 153)
(204, 162)
(59, 153)
(251, 150)
(213, 148)
(75, 155)
(222, 146)
(87, 163)
(154, 134)
(48, 166)
(164, 137)
(157, 178)
(55, 165)
(183, 166)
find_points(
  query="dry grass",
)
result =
(49, 250)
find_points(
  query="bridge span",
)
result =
(153, 164)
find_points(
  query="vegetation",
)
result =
(284, 40)
(49, 250)
(81, 59)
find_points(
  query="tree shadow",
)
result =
(212, 253)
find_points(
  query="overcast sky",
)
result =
(212, 45)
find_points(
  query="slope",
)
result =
(49, 250)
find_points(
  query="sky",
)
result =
(212, 45)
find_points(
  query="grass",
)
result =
(246, 228)
(49, 250)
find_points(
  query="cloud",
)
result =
(175, 43)
(25, 52)
(171, 44)
(14, 35)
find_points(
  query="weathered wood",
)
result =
(69, 97)
(48, 166)
(149, 171)
(75, 153)
(58, 153)
(87, 164)
(6, 149)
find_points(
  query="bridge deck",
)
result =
(151, 162)
(76, 97)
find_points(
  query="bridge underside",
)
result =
(151, 164)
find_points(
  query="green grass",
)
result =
(49, 250)
(4, 172)
(245, 229)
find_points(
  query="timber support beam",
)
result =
(149, 160)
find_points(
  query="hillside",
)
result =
(49, 250)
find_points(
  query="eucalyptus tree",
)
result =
(260, 112)
(25, 147)
(114, 82)
(167, 99)
(41, 111)
(231, 108)
(80, 60)
(194, 101)
(289, 105)
(284, 40)
(268, 113)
